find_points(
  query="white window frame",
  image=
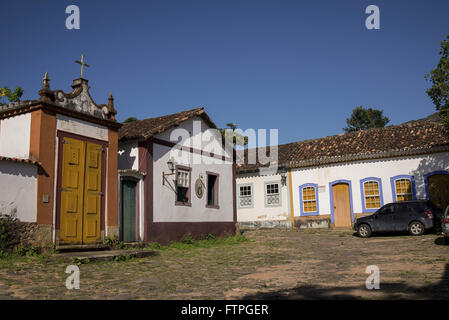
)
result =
(266, 184)
(251, 196)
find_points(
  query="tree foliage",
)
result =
(365, 118)
(238, 139)
(7, 95)
(439, 78)
(130, 119)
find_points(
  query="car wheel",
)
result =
(446, 240)
(416, 228)
(364, 230)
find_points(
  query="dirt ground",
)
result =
(273, 264)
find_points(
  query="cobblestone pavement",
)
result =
(274, 264)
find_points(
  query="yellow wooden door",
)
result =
(92, 194)
(71, 219)
(439, 190)
(342, 205)
(81, 192)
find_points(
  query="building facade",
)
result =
(58, 165)
(169, 189)
(333, 180)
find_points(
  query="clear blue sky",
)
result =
(299, 66)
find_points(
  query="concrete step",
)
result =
(82, 247)
(93, 256)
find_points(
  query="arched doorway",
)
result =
(437, 188)
(341, 203)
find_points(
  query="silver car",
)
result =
(445, 225)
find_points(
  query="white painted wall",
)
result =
(416, 166)
(128, 156)
(83, 128)
(164, 197)
(18, 190)
(259, 211)
(15, 136)
(199, 136)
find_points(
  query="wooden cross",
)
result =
(82, 64)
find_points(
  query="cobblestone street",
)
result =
(273, 264)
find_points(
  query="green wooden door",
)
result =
(128, 210)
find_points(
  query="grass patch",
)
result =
(209, 242)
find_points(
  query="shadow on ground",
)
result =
(436, 291)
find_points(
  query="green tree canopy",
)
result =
(10, 95)
(238, 139)
(362, 118)
(439, 78)
(130, 119)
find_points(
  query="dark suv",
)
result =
(414, 216)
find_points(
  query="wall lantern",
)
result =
(171, 167)
(284, 179)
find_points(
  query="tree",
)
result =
(130, 119)
(238, 139)
(439, 78)
(362, 118)
(11, 96)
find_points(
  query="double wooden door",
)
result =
(81, 192)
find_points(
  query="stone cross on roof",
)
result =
(82, 63)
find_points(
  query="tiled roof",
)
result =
(415, 137)
(144, 129)
(28, 161)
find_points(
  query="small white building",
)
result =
(333, 180)
(176, 179)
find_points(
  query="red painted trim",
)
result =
(216, 205)
(189, 149)
(61, 135)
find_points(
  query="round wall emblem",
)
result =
(199, 188)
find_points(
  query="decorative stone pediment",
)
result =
(78, 100)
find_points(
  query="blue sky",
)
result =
(299, 66)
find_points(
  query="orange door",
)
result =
(439, 190)
(80, 192)
(342, 205)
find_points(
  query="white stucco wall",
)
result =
(128, 156)
(164, 197)
(416, 166)
(83, 128)
(18, 190)
(15, 136)
(200, 137)
(259, 211)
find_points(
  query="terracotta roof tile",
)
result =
(416, 136)
(144, 129)
(33, 162)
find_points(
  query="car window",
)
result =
(403, 207)
(388, 209)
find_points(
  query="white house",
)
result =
(331, 181)
(176, 179)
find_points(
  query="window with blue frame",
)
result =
(403, 187)
(371, 189)
(308, 198)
